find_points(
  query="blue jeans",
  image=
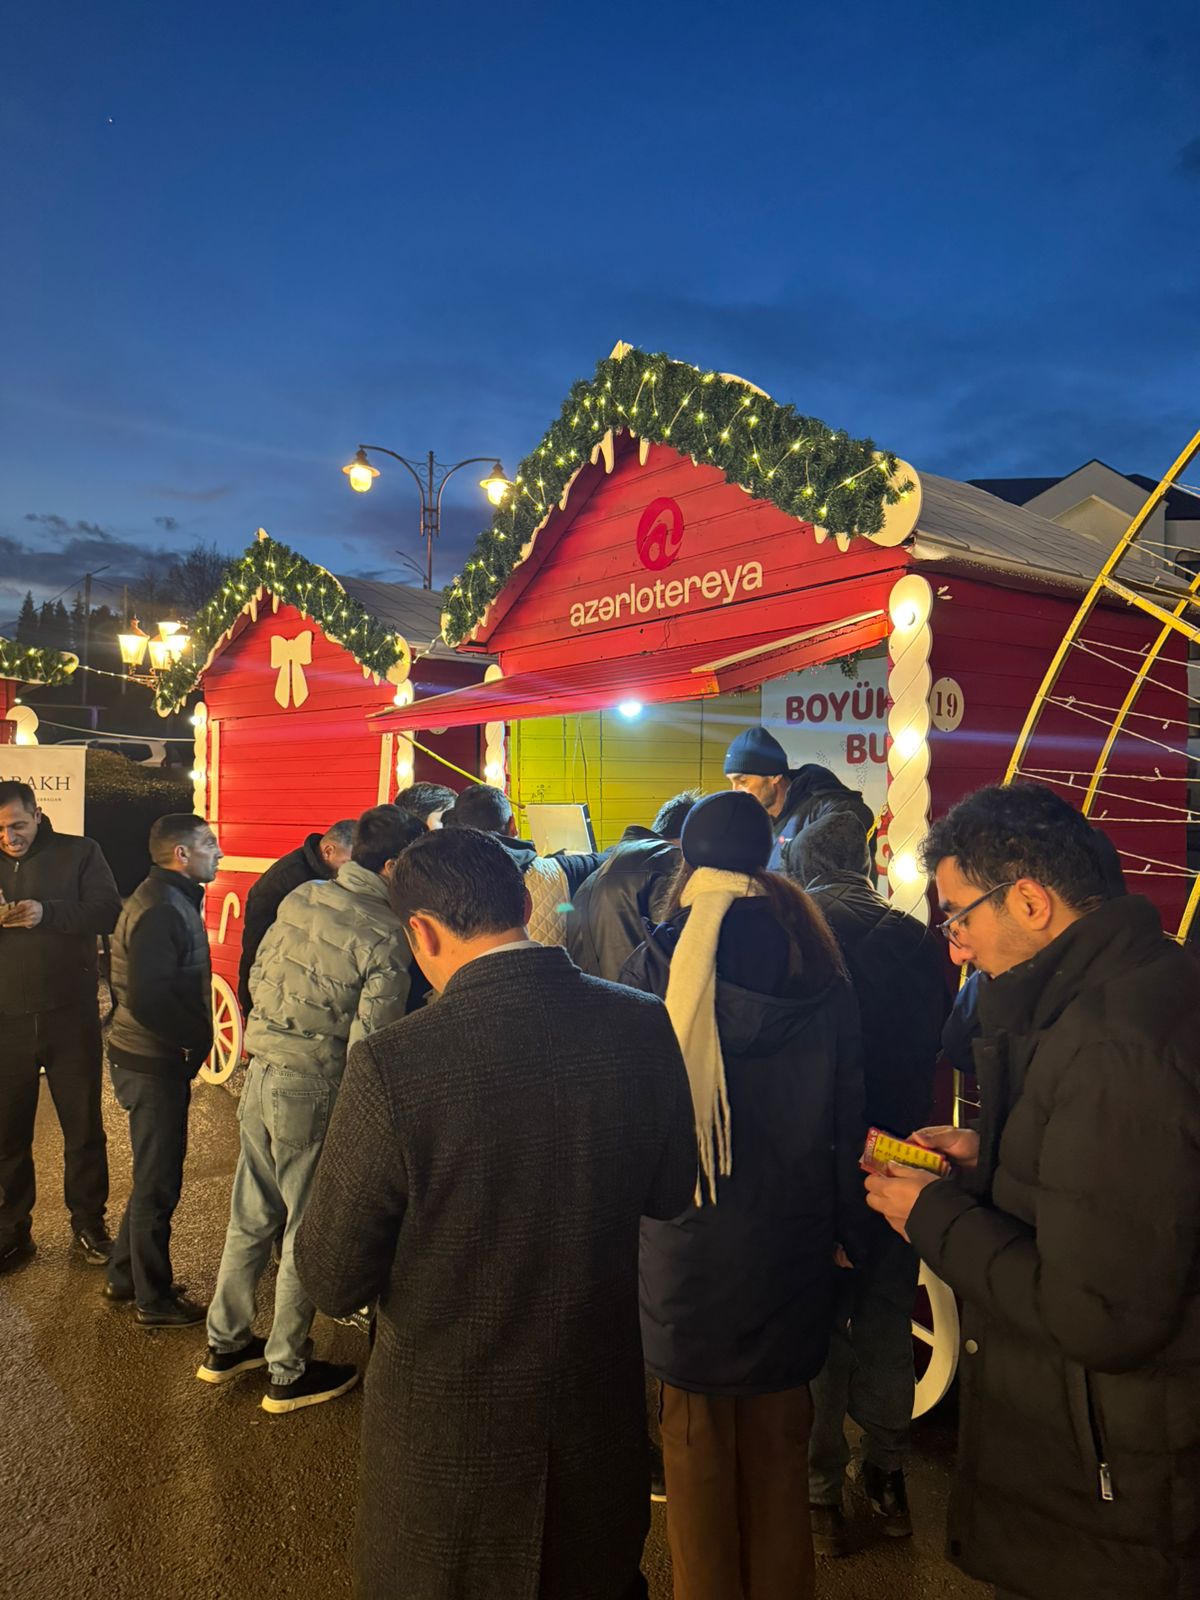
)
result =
(283, 1116)
(869, 1373)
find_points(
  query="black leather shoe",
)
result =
(94, 1245)
(16, 1253)
(124, 1297)
(888, 1500)
(178, 1313)
(830, 1530)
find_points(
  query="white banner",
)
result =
(821, 715)
(56, 776)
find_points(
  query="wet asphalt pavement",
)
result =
(123, 1478)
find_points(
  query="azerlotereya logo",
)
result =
(660, 534)
(659, 541)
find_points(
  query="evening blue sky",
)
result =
(240, 239)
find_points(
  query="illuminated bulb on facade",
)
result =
(904, 868)
(905, 615)
(908, 742)
(630, 709)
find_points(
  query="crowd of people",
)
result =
(549, 1125)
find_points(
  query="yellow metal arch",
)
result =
(1174, 621)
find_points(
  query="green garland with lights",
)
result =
(269, 565)
(28, 664)
(798, 463)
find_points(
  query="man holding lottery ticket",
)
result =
(1070, 1226)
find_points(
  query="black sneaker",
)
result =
(16, 1253)
(357, 1319)
(320, 1381)
(217, 1368)
(94, 1245)
(177, 1313)
(888, 1500)
(658, 1476)
(830, 1530)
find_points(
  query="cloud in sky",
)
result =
(197, 496)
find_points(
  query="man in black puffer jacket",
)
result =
(757, 764)
(56, 896)
(902, 984)
(1071, 1230)
(161, 1033)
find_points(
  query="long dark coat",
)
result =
(1075, 1247)
(737, 1297)
(484, 1173)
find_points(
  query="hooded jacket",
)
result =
(333, 968)
(54, 964)
(305, 864)
(737, 1297)
(615, 908)
(816, 792)
(1075, 1248)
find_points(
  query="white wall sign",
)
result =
(821, 715)
(56, 776)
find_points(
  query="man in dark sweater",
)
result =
(318, 857)
(902, 987)
(56, 896)
(160, 1036)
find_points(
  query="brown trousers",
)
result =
(737, 1494)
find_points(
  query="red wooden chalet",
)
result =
(283, 745)
(659, 571)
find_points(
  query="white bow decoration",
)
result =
(291, 656)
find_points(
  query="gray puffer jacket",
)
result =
(333, 968)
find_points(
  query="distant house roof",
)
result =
(415, 613)
(962, 525)
(1017, 491)
(1183, 505)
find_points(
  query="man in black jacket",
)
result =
(1071, 1230)
(56, 896)
(757, 763)
(319, 856)
(902, 987)
(161, 1033)
(614, 909)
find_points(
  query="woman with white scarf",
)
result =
(737, 1293)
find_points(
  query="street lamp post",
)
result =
(431, 481)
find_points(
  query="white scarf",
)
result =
(692, 1007)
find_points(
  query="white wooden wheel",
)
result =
(227, 1033)
(942, 1339)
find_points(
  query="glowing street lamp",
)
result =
(431, 480)
(361, 473)
(133, 644)
(496, 485)
(168, 645)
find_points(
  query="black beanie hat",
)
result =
(731, 831)
(759, 752)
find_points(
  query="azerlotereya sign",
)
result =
(659, 543)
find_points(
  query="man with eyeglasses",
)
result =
(1070, 1227)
